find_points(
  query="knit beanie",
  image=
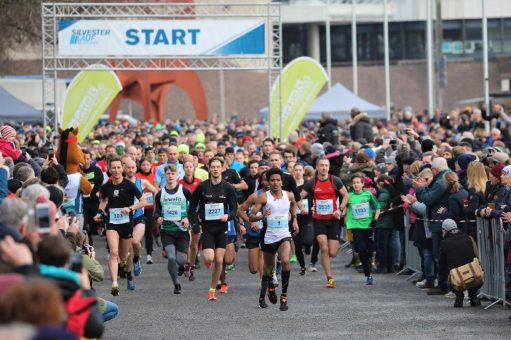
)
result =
(496, 171)
(465, 159)
(7, 131)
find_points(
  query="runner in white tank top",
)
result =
(279, 210)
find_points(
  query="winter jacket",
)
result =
(8, 150)
(455, 206)
(475, 200)
(502, 201)
(386, 220)
(456, 250)
(328, 132)
(435, 197)
(361, 128)
(348, 170)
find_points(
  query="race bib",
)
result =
(214, 211)
(324, 207)
(172, 213)
(278, 221)
(360, 210)
(149, 198)
(117, 217)
(305, 204)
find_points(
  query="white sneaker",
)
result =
(450, 295)
(149, 259)
(421, 284)
(312, 268)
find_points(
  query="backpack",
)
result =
(468, 276)
(78, 309)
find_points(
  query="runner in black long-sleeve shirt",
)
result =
(215, 202)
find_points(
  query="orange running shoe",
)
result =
(330, 283)
(224, 288)
(211, 295)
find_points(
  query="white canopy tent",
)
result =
(339, 100)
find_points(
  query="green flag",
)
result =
(87, 98)
(302, 80)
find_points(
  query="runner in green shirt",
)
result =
(363, 209)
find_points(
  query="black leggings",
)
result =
(363, 242)
(302, 240)
(148, 231)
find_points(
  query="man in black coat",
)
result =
(457, 249)
(361, 128)
(328, 131)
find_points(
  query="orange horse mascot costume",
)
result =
(70, 155)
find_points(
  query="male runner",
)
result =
(280, 208)
(215, 202)
(325, 190)
(143, 185)
(118, 198)
(171, 212)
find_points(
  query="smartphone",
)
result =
(42, 217)
(51, 153)
(393, 142)
(76, 263)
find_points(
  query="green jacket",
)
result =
(386, 221)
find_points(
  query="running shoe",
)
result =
(272, 295)
(303, 271)
(229, 267)
(312, 267)
(177, 289)
(293, 259)
(330, 283)
(192, 276)
(137, 268)
(283, 302)
(224, 288)
(262, 303)
(158, 240)
(187, 270)
(115, 289)
(369, 280)
(149, 259)
(131, 284)
(211, 295)
(275, 280)
(450, 295)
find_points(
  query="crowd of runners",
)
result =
(195, 192)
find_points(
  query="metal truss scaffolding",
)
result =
(53, 63)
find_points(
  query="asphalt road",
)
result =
(390, 309)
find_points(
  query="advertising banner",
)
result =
(88, 97)
(160, 37)
(302, 80)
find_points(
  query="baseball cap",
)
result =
(500, 157)
(263, 162)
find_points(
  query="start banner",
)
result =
(103, 38)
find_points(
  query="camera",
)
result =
(42, 217)
(76, 263)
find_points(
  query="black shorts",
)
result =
(253, 242)
(138, 220)
(180, 240)
(125, 231)
(274, 247)
(330, 228)
(213, 239)
(231, 239)
(305, 235)
(196, 229)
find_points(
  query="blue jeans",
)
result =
(436, 237)
(429, 264)
(395, 246)
(111, 311)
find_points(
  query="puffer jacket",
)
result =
(361, 128)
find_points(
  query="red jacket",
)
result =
(8, 150)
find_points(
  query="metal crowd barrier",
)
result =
(412, 257)
(490, 239)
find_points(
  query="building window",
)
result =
(294, 42)
(415, 40)
(506, 38)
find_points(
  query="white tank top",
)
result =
(277, 224)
